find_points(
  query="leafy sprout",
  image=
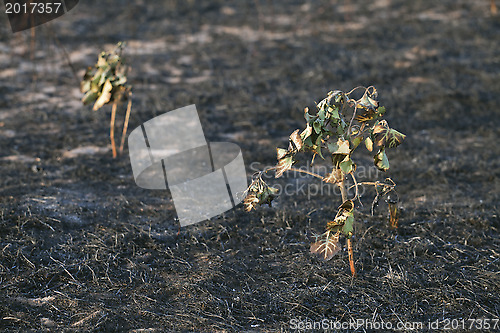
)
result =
(259, 193)
(106, 83)
(336, 129)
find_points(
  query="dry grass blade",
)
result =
(87, 318)
(35, 301)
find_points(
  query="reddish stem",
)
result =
(340, 175)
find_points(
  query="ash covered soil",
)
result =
(83, 248)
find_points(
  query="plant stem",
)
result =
(112, 129)
(341, 176)
(307, 172)
(351, 257)
(125, 124)
(343, 191)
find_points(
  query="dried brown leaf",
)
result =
(327, 246)
(296, 140)
(105, 95)
(285, 161)
(333, 177)
(393, 215)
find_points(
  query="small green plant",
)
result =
(106, 83)
(338, 126)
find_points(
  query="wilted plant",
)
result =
(338, 126)
(106, 83)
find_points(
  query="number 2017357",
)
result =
(33, 8)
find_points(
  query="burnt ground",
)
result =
(82, 248)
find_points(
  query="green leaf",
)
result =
(347, 166)
(341, 127)
(348, 227)
(381, 161)
(259, 193)
(322, 114)
(340, 147)
(357, 140)
(97, 78)
(267, 195)
(380, 111)
(89, 97)
(317, 127)
(318, 146)
(343, 215)
(339, 150)
(308, 142)
(309, 118)
(328, 133)
(333, 113)
(332, 147)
